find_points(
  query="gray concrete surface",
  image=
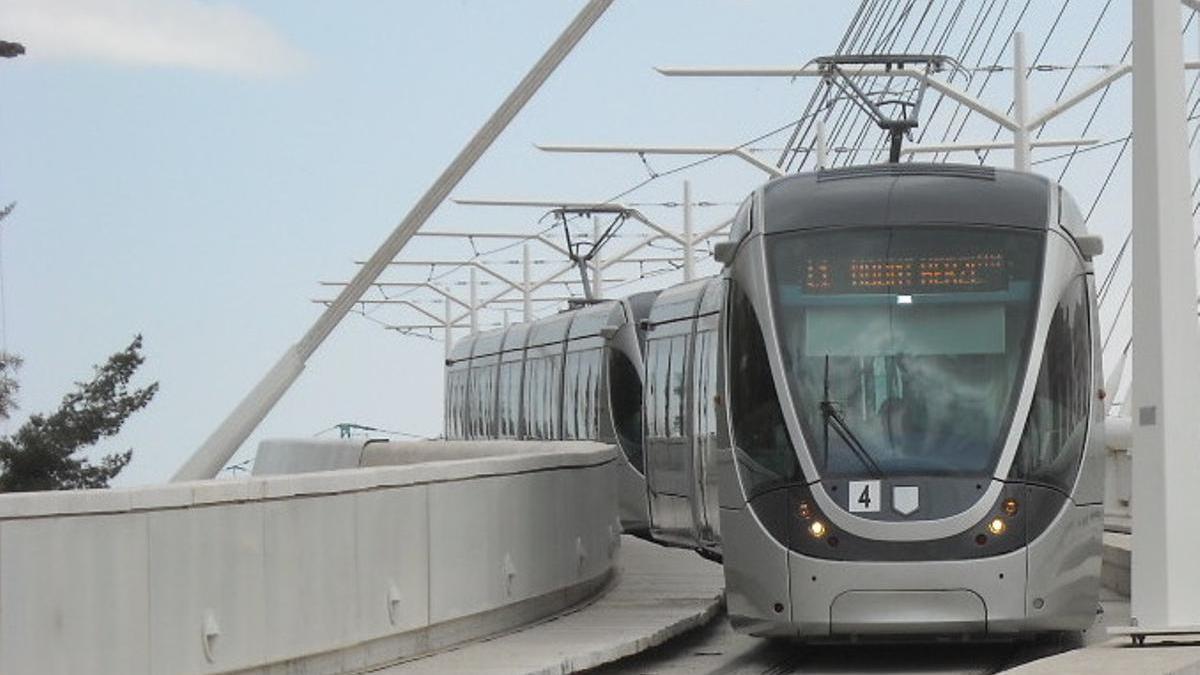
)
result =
(659, 593)
(1117, 657)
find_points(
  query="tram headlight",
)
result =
(997, 526)
(817, 529)
(1010, 507)
(804, 509)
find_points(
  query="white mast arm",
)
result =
(208, 460)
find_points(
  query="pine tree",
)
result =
(41, 455)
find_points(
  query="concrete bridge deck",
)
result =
(658, 594)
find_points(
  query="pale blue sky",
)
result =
(190, 170)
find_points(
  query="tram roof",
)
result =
(679, 302)
(907, 194)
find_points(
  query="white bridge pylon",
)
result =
(1166, 342)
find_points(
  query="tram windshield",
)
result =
(904, 346)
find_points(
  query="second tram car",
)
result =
(883, 415)
(573, 376)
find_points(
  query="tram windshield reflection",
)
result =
(908, 342)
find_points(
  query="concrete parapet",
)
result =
(291, 456)
(321, 572)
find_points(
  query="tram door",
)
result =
(670, 462)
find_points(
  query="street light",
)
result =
(9, 50)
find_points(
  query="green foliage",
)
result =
(9, 363)
(40, 455)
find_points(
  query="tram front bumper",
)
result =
(892, 612)
(832, 598)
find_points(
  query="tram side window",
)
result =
(542, 396)
(454, 400)
(591, 391)
(764, 451)
(661, 364)
(460, 400)
(656, 371)
(554, 396)
(579, 394)
(705, 382)
(1052, 442)
(510, 399)
(571, 399)
(460, 396)
(676, 391)
(535, 382)
(625, 392)
(482, 401)
(448, 406)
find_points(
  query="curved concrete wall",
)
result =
(321, 572)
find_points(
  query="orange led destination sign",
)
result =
(913, 274)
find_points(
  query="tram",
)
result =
(884, 415)
(573, 376)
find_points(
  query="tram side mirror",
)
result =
(723, 251)
(1090, 245)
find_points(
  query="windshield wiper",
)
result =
(833, 418)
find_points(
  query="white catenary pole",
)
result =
(526, 285)
(689, 243)
(822, 146)
(474, 300)
(1166, 428)
(449, 329)
(1021, 147)
(230, 435)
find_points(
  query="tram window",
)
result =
(625, 392)
(460, 418)
(656, 380)
(454, 411)
(510, 399)
(676, 391)
(1052, 442)
(592, 393)
(534, 384)
(570, 396)
(460, 399)
(579, 394)
(705, 383)
(539, 398)
(915, 336)
(482, 401)
(578, 412)
(764, 451)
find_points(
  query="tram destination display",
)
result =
(980, 271)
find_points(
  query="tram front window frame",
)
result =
(905, 347)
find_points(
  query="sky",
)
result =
(191, 170)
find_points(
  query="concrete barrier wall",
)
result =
(314, 572)
(287, 456)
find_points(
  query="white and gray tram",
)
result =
(574, 376)
(884, 415)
